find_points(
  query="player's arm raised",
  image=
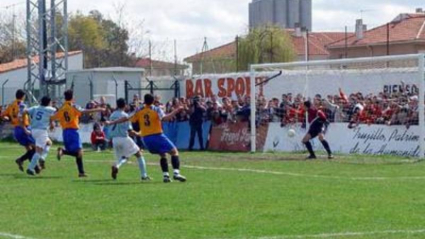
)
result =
(89, 111)
(171, 115)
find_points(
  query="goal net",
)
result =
(374, 105)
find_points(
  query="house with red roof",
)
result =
(312, 45)
(403, 35)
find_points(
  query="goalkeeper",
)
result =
(318, 125)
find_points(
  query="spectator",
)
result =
(98, 138)
(197, 112)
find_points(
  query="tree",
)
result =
(12, 43)
(103, 41)
(265, 45)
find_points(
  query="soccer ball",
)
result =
(291, 133)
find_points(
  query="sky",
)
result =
(219, 21)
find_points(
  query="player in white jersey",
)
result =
(41, 121)
(124, 146)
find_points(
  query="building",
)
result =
(404, 35)
(284, 13)
(14, 75)
(314, 50)
(161, 68)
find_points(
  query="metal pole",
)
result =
(29, 47)
(126, 91)
(237, 53)
(116, 87)
(346, 42)
(388, 39)
(421, 76)
(252, 118)
(2, 91)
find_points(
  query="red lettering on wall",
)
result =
(230, 87)
(199, 91)
(189, 89)
(248, 85)
(208, 90)
(240, 86)
(221, 90)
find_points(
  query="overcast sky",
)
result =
(189, 21)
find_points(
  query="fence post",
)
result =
(2, 91)
(126, 91)
(177, 89)
(151, 86)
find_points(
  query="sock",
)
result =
(176, 164)
(164, 166)
(79, 161)
(45, 152)
(34, 161)
(31, 154)
(310, 148)
(121, 162)
(27, 155)
(326, 146)
(65, 152)
(142, 167)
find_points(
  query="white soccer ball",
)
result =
(291, 133)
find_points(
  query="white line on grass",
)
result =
(303, 175)
(348, 234)
(8, 235)
(300, 175)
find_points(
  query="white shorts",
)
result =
(124, 147)
(41, 137)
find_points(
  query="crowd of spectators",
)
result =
(355, 109)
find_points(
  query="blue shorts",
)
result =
(158, 144)
(22, 138)
(72, 140)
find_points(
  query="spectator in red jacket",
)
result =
(98, 139)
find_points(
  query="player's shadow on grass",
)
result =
(40, 177)
(110, 182)
(14, 175)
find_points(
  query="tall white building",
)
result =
(284, 13)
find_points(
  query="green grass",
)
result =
(273, 196)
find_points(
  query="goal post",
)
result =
(396, 83)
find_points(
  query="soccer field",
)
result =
(226, 196)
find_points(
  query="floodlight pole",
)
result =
(46, 37)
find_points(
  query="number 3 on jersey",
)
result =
(147, 120)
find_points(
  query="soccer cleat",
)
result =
(330, 156)
(37, 170)
(59, 154)
(82, 175)
(114, 172)
(147, 178)
(42, 164)
(20, 164)
(179, 177)
(311, 157)
(167, 179)
(30, 172)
